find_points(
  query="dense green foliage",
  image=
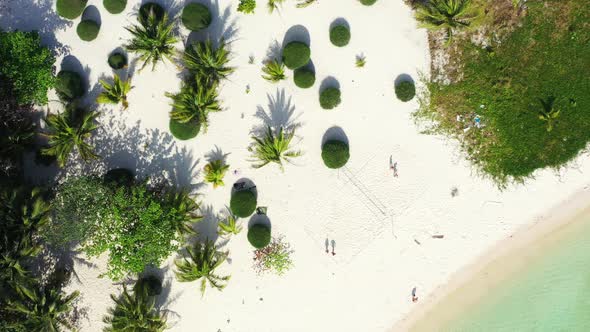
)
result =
(135, 311)
(153, 38)
(114, 6)
(275, 257)
(259, 236)
(243, 203)
(330, 98)
(274, 71)
(115, 93)
(273, 147)
(136, 225)
(447, 15)
(206, 62)
(26, 67)
(544, 58)
(70, 9)
(199, 263)
(194, 102)
(69, 131)
(117, 61)
(215, 172)
(405, 90)
(184, 131)
(247, 6)
(71, 221)
(304, 78)
(196, 16)
(296, 54)
(69, 86)
(335, 153)
(87, 30)
(340, 35)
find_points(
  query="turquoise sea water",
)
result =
(549, 292)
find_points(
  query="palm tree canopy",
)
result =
(152, 39)
(68, 131)
(203, 60)
(134, 312)
(446, 14)
(195, 102)
(273, 148)
(200, 262)
(115, 93)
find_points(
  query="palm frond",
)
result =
(153, 40)
(274, 71)
(273, 147)
(195, 102)
(204, 61)
(215, 172)
(229, 225)
(448, 15)
(200, 262)
(115, 93)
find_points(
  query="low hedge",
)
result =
(405, 90)
(69, 85)
(335, 153)
(196, 16)
(259, 236)
(117, 60)
(368, 2)
(146, 8)
(296, 54)
(304, 78)
(340, 35)
(70, 9)
(184, 131)
(114, 6)
(243, 203)
(88, 30)
(330, 98)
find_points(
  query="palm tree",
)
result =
(549, 113)
(305, 3)
(42, 308)
(274, 70)
(201, 263)
(135, 312)
(68, 131)
(194, 102)
(229, 225)
(215, 171)
(115, 93)
(202, 60)
(448, 15)
(273, 148)
(186, 209)
(22, 214)
(153, 39)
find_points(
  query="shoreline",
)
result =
(545, 228)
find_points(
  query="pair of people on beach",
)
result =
(393, 166)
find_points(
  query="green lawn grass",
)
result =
(547, 56)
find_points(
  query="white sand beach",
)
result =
(383, 226)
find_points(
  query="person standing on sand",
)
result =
(414, 297)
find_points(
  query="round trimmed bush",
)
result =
(259, 236)
(243, 203)
(304, 78)
(117, 60)
(196, 16)
(70, 9)
(405, 90)
(69, 85)
(114, 6)
(368, 2)
(87, 30)
(146, 8)
(335, 153)
(296, 54)
(184, 131)
(330, 98)
(340, 35)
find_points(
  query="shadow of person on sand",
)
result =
(281, 114)
(38, 15)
